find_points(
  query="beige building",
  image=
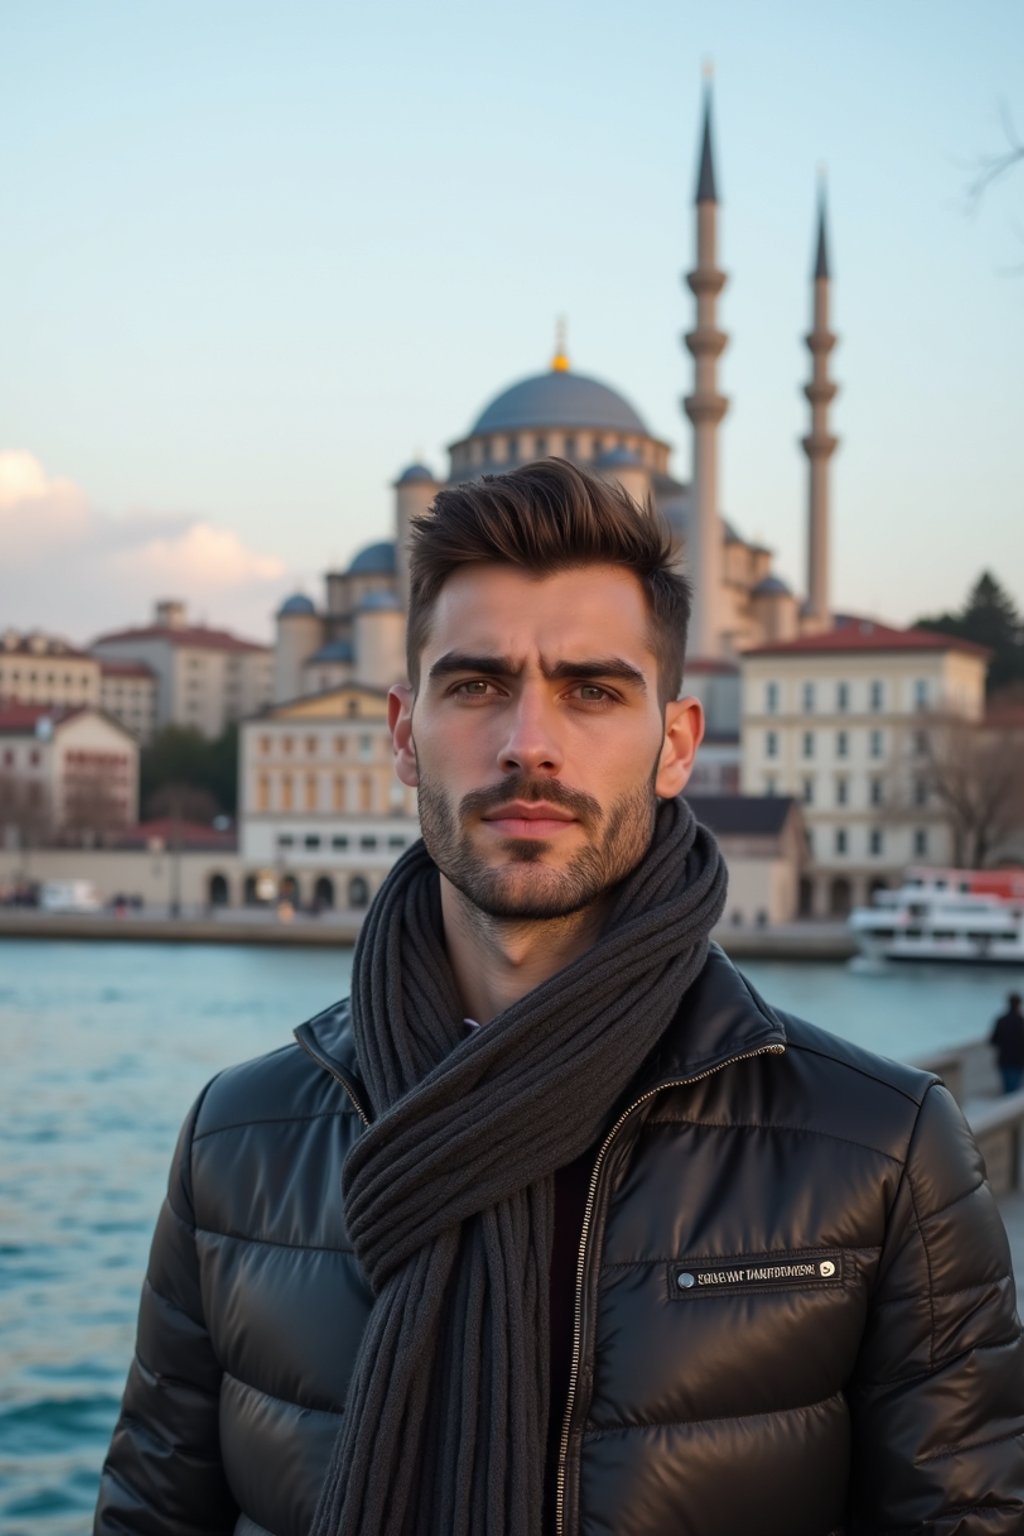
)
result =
(321, 812)
(841, 721)
(764, 844)
(36, 668)
(65, 772)
(205, 678)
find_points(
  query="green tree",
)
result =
(179, 757)
(988, 617)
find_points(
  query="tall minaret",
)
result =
(705, 408)
(819, 445)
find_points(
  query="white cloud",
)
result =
(73, 570)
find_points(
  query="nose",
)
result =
(531, 742)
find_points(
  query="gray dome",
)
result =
(297, 603)
(415, 473)
(772, 586)
(374, 560)
(334, 650)
(619, 458)
(559, 399)
(379, 602)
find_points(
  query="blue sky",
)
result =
(256, 257)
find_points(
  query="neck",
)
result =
(496, 961)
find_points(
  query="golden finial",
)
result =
(560, 361)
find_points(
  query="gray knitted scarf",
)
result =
(449, 1194)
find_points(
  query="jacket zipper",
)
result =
(338, 1076)
(581, 1260)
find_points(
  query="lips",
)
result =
(529, 819)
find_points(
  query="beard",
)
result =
(522, 885)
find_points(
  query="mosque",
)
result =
(357, 636)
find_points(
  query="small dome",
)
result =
(374, 560)
(297, 603)
(619, 458)
(334, 650)
(559, 399)
(772, 586)
(380, 602)
(415, 474)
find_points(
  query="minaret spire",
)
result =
(819, 444)
(705, 408)
(560, 360)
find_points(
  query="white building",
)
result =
(65, 772)
(322, 816)
(205, 678)
(840, 720)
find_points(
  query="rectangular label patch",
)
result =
(771, 1271)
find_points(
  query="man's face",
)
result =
(536, 738)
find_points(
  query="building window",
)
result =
(365, 793)
(513, 448)
(312, 840)
(875, 840)
(771, 744)
(285, 840)
(920, 743)
(570, 453)
(263, 792)
(877, 744)
(920, 693)
(265, 745)
(808, 699)
(842, 697)
(311, 795)
(339, 792)
(876, 792)
(877, 695)
(311, 745)
(920, 791)
(771, 697)
(368, 840)
(540, 446)
(808, 744)
(339, 745)
(842, 789)
(769, 784)
(396, 841)
(287, 793)
(286, 743)
(339, 840)
(807, 792)
(840, 840)
(920, 842)
(842, 744)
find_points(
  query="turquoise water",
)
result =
(102, 1049)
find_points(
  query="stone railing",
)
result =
(997, 1120)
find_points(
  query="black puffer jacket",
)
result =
(796, 1313)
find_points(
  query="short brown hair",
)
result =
(549, 516)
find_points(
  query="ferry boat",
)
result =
(973, 917)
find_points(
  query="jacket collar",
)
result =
(719, 1019)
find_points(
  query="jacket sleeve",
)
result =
(163, 1473)
(938, 1400)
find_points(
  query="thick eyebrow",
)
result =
(598, 669)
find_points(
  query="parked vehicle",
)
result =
(70, 896)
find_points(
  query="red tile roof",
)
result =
(183, 834)
(17, 719)
(52, 649)
(867, 635)
(196, 635)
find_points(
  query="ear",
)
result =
(400, 701)
(684, 732)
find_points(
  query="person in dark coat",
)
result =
(1008, 1039)
(555, 1227)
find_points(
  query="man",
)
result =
(557, 1226)
(1007, 1037)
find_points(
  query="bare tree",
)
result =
(93, 807)
(25, 812)
(973, 772)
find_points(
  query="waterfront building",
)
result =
(37, 668)
(845, 721)
(65, 772)
(322, 816)
(204, 678)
